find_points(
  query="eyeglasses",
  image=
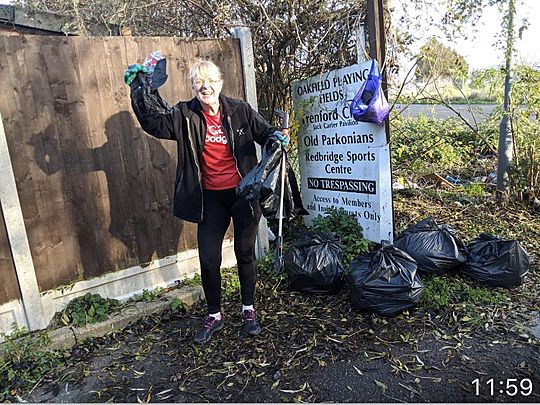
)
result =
(210, 82)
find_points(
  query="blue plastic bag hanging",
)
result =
(369, 103)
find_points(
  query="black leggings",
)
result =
(219, 207)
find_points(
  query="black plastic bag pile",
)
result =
(314, 263)
(263, 183)
(435, 248)
(384, 281)
(496, 262)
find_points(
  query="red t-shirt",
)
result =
(218, 165)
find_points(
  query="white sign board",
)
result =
(343, 162)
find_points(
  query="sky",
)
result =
(483, 54)
(480, 50)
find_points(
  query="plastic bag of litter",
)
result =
(436, 248)
(369, 103)
(384, 281)
(496, 262)
(263, 183)
(156, 66)
(314, 263)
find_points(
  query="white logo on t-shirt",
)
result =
(215, 135)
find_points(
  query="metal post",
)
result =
(505, 137)
(250, 91)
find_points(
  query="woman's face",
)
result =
(207, 90)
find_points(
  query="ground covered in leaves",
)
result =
(317, 348)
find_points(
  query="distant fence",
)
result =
(95, 191)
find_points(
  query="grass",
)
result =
(447, 291)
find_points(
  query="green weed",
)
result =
(24, 362)
(475, 190)
(89, 308)
(194, 281)
(266, 267)
(177, 305)
(230, 282)
(347, 227)
(447, 292)
(149, 296)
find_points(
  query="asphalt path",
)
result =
(473, 112)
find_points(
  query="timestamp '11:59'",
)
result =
(507, 386)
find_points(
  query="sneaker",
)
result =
(251, 325)
(209, 326)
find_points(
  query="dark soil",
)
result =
(310, 350)
(318, 349)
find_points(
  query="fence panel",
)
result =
(95, 190)
(9, 287)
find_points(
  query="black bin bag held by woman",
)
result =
(384, 281)
(263, 183)
(314, 263)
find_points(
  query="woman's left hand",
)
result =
(283, 138)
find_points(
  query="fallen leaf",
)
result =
(382, 385)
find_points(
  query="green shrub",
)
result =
(90, 308)
(266, 264)
(347, 227)
(423, 145)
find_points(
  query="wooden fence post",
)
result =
(18, 240)
(377, 51)
(377, 36)
(250, 92)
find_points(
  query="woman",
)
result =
(216, 138)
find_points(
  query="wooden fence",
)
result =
(95, 191)
(9, 288)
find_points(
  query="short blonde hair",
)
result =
(204, 69)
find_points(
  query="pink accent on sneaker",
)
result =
(249, 315)
(209, 321)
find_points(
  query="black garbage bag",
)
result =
(384, 281)
(145, 100)
(314, 263)
(496, 262)
(263, 183)
(436, 248)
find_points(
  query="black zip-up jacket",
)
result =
(185, 124)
